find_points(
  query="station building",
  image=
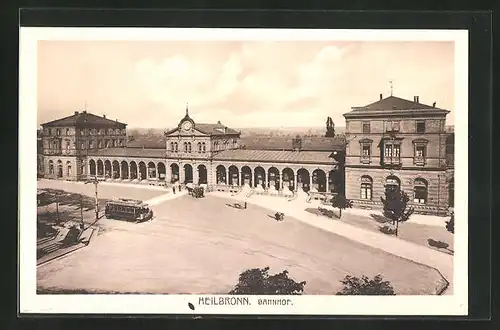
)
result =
(199, 153)
(395, 143)
(391, 143)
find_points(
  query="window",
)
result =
(172, 146)
(67, 144)
(58, 132)
(392, 183)
(50, 131)
(366, 187)
(420, 191)
(420, 151)
(421, 126)
(392, 151)
(176, 147)
(199, 146)
(185, 147)
(366, 150)
(51, 167)
(204, 147)
(392, 126)
(82, 145)
(366, 128)
(67, 131)
(189, 147)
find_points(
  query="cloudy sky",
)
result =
(242, 84)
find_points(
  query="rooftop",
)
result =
(254, 142)
(129, 152)
(276, 156)
(84, 118)
(395, 104)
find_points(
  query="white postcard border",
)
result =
(30, 302)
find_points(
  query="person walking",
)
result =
(245, 205)
(173, 188)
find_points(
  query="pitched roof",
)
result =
(254, 142)
(215, 129)
(393, 103)
(84, 118)
(129, 152)
(302, 157)
(285, 143)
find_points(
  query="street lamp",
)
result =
(96, 183)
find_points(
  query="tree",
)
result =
(450, 224)
(258, 281)
(339, 201)
(366, 287)
(396, 207)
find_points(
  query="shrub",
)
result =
(450, 224)
(339, 201)
(366, 287)
(258, 281)
(388, 230)
(437, 244)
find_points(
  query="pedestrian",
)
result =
(173, 188)
(245, 204)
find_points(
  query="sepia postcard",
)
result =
(243, 171)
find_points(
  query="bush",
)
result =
(258, 281)
(437, 244)
(396, 207)
(450, 224)
(341, 202)
(366, 287)
(388, 230)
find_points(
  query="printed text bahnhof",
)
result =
(232, 301)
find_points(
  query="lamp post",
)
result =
(96, 183)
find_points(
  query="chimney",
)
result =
(415, 99)
(218, 122)
(381, 96)
(434, 104)
(104, 116)
(76, 112)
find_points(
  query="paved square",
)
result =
(202, 245)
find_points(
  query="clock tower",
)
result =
(186, 123)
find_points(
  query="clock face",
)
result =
(186, 125)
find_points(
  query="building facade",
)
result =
(66, 142)
(399, 144)
(392, 143)
(212, 155)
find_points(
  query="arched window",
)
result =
(67, 131)
(199, 146)
(189, 147)
(51, 167)
(366, 187)
(176, 147)
(68, 169)
(185, 147)
(420, 191)
(392, 183)
(204, 147)
(172, 146)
